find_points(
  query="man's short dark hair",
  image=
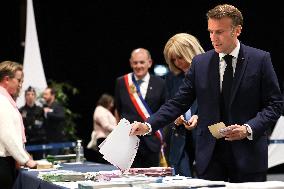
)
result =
(30, 89)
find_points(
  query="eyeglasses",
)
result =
(20, 80)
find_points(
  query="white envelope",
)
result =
(119, 148)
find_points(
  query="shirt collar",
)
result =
(5, 93)
(146, 78)
(234, 53)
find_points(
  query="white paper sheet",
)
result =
(119, 148)
(256, 185)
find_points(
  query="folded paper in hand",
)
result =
(119, 148)
(216, 128)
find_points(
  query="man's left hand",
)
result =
(236, 132)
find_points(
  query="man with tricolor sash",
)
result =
(137, 95)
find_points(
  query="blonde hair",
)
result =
(182, 45)
(9, 68)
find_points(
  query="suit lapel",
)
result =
(239, 72)
(149, 89)
(215, 77)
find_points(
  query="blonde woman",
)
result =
(178, 53)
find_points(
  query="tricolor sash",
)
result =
(142, 108)
(139, 103)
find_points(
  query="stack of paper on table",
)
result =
(191, 182)
(119, 148)
(256, 185)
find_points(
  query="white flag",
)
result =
(33, 68)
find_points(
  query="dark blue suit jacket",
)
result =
(256, 101)
(155, 97)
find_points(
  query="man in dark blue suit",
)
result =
(137, 95)
(251, 105)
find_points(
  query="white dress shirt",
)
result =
(144, 84)
(11, 141)
(222, 67)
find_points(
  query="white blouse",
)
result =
(104, 122)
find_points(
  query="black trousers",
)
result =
(222, 167)
(7, 172)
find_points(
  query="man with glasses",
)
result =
(12, 134)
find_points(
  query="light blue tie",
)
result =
(187, 115)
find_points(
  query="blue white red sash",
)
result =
(139, 103)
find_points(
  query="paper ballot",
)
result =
(216, 128)
(119, 148)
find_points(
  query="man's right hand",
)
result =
(138, 129)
